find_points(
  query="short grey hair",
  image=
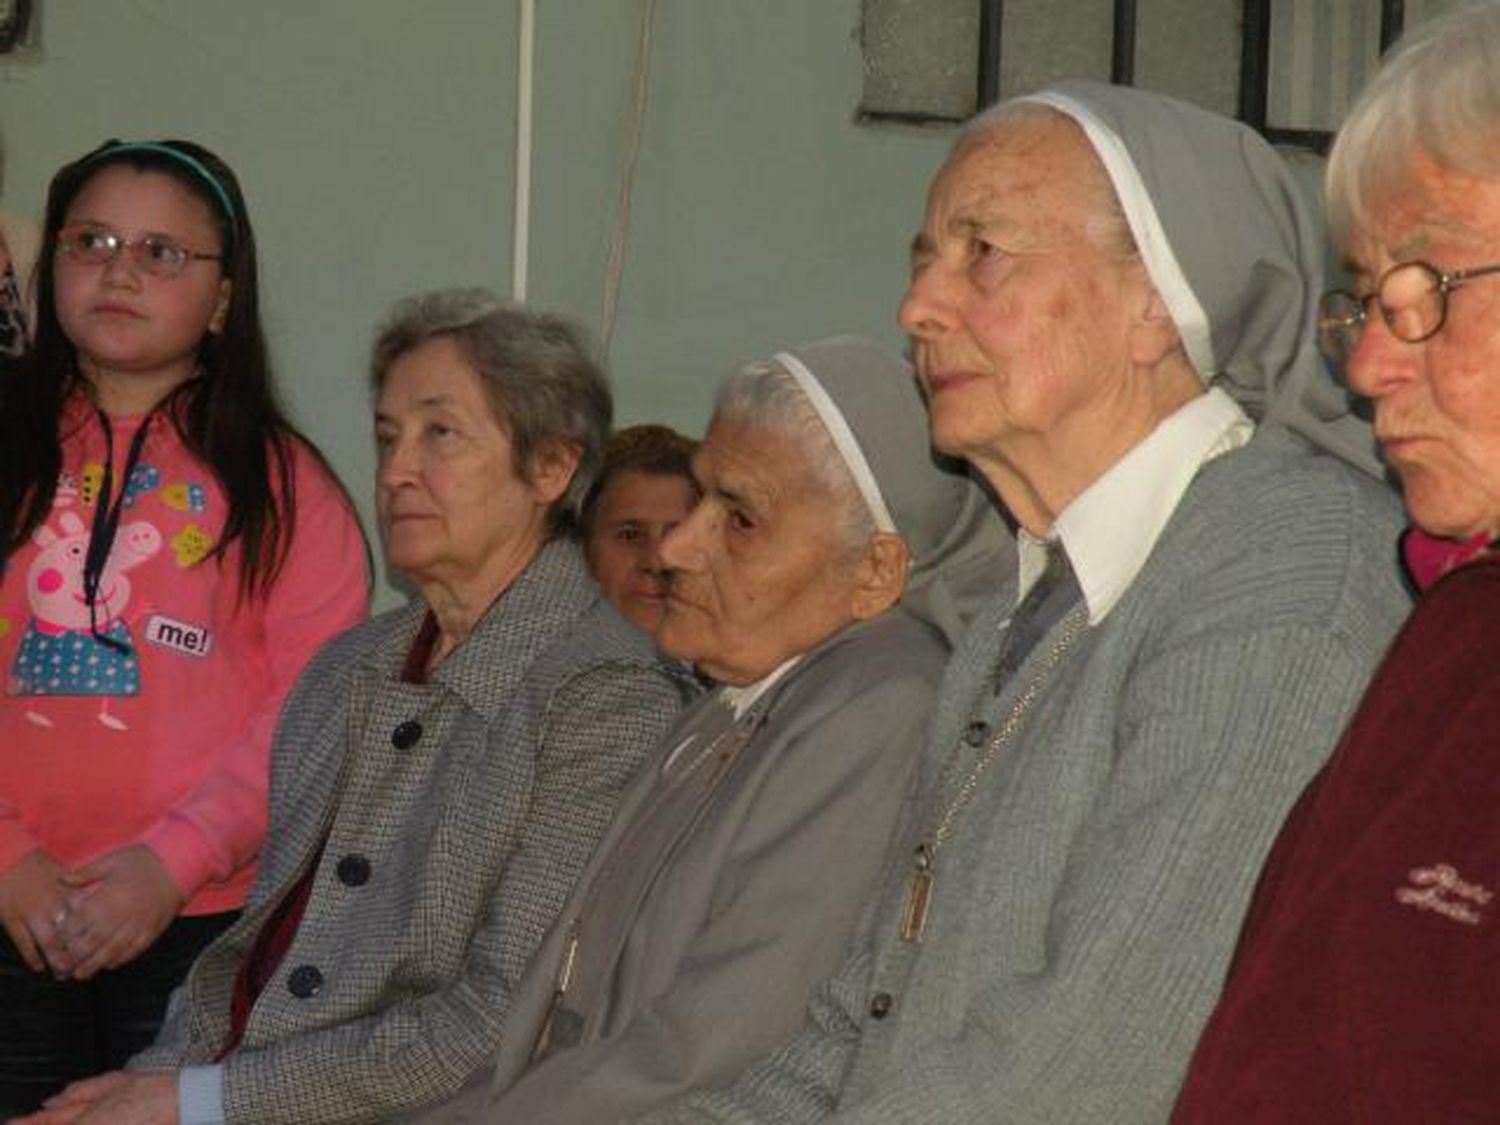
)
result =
(535, 370)
(765, 396)
(1438, 93)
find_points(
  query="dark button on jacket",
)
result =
(305, 982)
(354, 871)
(880, 1005)
(405, 736)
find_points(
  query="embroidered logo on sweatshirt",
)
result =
(1440, 889)
(190, 640)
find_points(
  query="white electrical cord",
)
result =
(521, 235)
(614, 267)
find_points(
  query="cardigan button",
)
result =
(354, 871)
(976, 732)
(880, 1005)
(305, 982)
(405, 736)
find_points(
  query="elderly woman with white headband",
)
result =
(1112, 753)
(819, 580)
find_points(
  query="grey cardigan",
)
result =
(457, 815)
(1087, 902)
(728, 884)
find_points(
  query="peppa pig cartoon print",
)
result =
(60, 653)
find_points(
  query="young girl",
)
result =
(172, 553)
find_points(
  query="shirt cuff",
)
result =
(200, 1095)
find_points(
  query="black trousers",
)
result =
(53, 1032)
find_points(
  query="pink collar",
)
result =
(1428, 557)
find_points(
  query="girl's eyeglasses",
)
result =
(154, 254)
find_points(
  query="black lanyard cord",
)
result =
(107, 524)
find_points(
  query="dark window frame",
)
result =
(13, 31)
(1255, 64)
(1255, 70)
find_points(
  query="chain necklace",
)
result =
(561, 1026)
(919, 890)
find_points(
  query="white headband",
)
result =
(1145, 224)
(843, 439)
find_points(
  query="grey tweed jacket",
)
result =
(1087, 900)
(448, 822)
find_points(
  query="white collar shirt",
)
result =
(1110, 528)
(741, 699)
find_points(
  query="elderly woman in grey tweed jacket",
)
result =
(1113, 752)
(441, 773)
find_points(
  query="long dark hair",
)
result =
(227, 415)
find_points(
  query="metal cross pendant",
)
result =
(918, 897)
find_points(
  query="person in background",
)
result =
(18, 241)
(440, 774)
(172, 552)
(1364, 989)
(644, 490)
(1196, 605)
(820, 581)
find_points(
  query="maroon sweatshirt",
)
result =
(1367, 983)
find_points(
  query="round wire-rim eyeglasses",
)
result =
(1413, 300)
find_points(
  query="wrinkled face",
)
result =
(760, 572)
(1437, 402)
(452, 507)
(130, 328)
(635, 511)
(1019, 302)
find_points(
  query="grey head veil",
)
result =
(868, 401)
(1230, 245)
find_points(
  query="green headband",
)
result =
(191, 163)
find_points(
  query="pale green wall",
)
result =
(374, 139)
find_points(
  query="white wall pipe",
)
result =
(521, 236)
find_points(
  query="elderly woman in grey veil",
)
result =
(820, 579)
(1195, 607)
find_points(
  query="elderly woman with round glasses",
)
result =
(440, 774)
(1365, 987)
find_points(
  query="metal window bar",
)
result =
(991, 36)
(991, 23)
(1255, 71)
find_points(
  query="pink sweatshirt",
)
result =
(168, 744)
